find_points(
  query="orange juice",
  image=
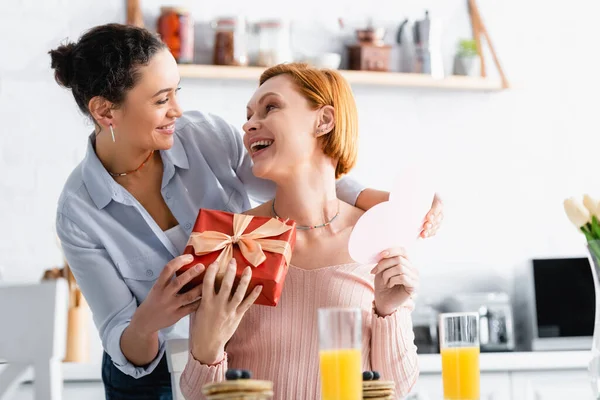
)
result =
(460, 373)
(341, 374)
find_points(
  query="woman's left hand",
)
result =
(433, 219)
(396, 280)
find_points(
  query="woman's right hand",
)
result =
(219, 314)
(163, 306)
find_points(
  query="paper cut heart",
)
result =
(397, 222)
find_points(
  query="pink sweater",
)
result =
(281, 343)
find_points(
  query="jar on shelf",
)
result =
(273, 43)
(231, 38)
(176, 29)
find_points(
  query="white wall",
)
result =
(505, 160)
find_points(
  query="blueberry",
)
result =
(367, 376)
(376, 376)
(246, 374)
(233, 374)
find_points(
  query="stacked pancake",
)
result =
(375, 389)
(238, 386)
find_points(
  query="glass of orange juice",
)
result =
(340, 347)
(459, 347)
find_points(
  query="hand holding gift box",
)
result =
(265, 244)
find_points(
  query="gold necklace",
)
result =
(308, 227)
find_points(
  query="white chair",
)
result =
(177, 356)
(33, 334)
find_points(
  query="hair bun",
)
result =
(62, 63)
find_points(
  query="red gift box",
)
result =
(265, 244)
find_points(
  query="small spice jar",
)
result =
(230, 46)
(176, 28)
(273, 43)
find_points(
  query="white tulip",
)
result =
(592, 205)
(576, 211)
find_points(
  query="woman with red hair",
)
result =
(302, 134)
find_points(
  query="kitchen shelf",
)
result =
(393, 79)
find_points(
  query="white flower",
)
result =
(592, 205)
(576, 211)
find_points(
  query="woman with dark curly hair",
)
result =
(127, 209)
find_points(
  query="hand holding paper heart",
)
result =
(434, 218)
(394, 223)
(396, 280)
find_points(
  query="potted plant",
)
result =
(467, 60)
(584, 213)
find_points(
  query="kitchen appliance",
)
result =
(407, 47)
(427, 37)
(370, 53)
(562, 303)
(496, 332)
(425, 328)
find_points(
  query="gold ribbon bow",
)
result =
(251, 244)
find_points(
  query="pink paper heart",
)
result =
(394, 223)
